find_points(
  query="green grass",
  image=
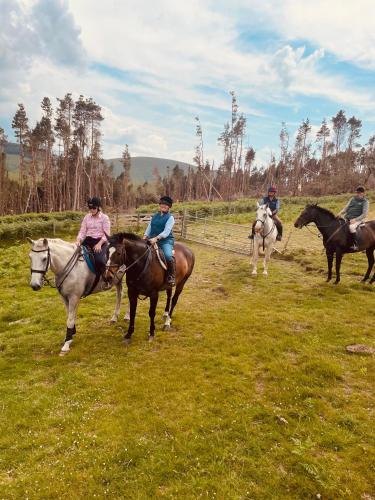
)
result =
(251, 395)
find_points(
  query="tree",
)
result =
(20, 126)
(339, 128)
(126, 165)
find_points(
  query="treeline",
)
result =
(328, 162)
(61, 163)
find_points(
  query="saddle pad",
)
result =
(87, 255)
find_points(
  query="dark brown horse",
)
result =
(336, 237)
(130, 254)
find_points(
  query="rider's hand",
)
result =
(145, 237)
(153, 240)
(352, 221)
(78, 242)
(97, 247)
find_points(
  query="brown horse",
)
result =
(130, 254)
(336, 238)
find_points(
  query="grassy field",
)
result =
(251, 395)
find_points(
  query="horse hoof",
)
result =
(151, 338)
(265, 273)
(166, 327)
(254, 273)
(127, 341)
(63, 353)
(113, 320)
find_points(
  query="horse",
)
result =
(130, 254)
(336, 238)
(72, 276)
(265, 235)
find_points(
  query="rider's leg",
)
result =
(353, 233)
(167, 247)
(279, 227)
(251, 236)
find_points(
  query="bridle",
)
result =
(43, 272)
(66, 271)
(264, 236)
(123, 268)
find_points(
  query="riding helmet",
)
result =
(94, 202)
(272, 189)
(166, 200)
(360, 189)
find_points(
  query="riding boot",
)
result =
(251, 235)
(171, 272)
(279, 228)
(354, 244)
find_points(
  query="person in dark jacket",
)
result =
(355, 212)
(160, 231)
(274, 205)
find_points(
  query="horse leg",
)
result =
(179, 288)
(370, 260)
(267, 256)
(127, 314)
(338, 266)
(329, 264)
(168, 304)
(71, 305)
(118, 302)
(255, 256)
(151, 312)
(133, 301)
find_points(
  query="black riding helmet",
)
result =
(166, 200)
(360, 189)
(94, 202)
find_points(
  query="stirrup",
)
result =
(171, 280)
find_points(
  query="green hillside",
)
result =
(142, 167)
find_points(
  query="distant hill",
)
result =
(142, 167)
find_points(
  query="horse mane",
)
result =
(322, 209)
(118, 237)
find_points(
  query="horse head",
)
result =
(307, 215)
(262, 213)
(40, 260)
(116, 258)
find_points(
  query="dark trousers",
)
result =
(100, 257)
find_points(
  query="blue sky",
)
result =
(154, 66)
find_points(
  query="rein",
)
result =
(66, 271)
(124, 269)
(264, 236)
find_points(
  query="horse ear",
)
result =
(45, 241)
(30, 240)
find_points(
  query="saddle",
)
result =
(89, 258)
(160, 255)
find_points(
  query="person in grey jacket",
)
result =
(355, 213)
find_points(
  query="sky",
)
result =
(155, 66)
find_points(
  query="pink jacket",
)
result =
(96, 227)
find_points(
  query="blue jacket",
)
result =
(274, 204)
(161, 225)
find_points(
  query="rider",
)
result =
(95, 228)
(159, 230)
(274, 205)
(354, 213)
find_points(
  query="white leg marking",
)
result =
(66, 347)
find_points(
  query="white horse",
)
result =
(265, 236)
(72, 276)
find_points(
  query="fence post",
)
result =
(138, 221)
(184, 224)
